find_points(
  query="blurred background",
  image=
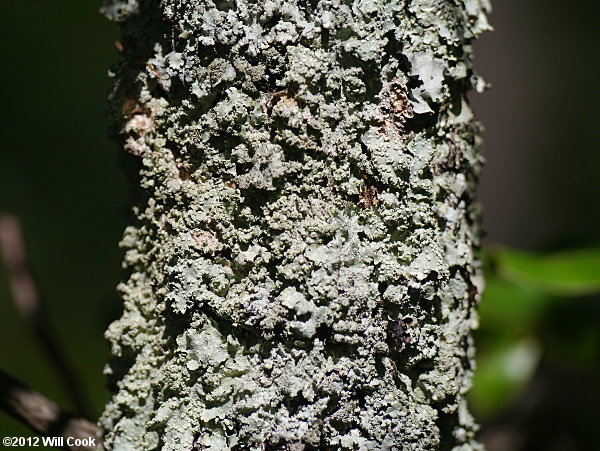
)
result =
(538, 382)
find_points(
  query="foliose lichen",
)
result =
(306, 176)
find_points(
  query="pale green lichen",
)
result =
(306, 176)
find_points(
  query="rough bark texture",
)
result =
(301, 271)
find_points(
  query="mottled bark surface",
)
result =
(301, 271)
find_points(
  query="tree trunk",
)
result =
(301, 269)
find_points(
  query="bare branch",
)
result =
(45, 416)
(29, 304)
(24, 292)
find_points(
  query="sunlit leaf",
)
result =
(569, 273)
(502, 373)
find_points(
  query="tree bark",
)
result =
(301, 268)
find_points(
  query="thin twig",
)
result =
(29, 304)
(45, 416)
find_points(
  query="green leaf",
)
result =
(509, 310)
(502, 372)
(568, 273)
